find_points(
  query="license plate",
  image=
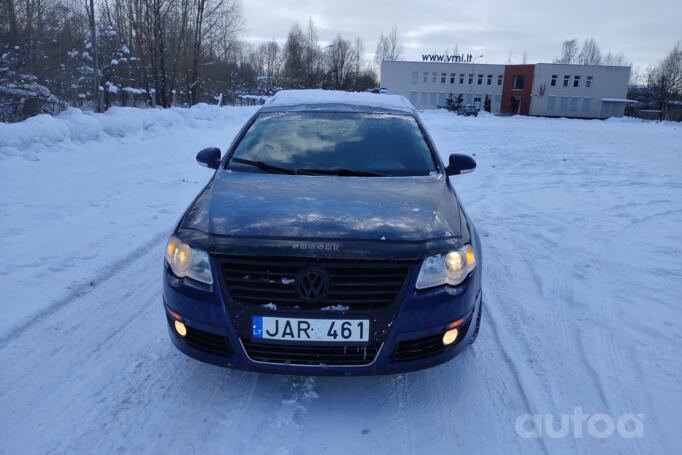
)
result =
(319, 330)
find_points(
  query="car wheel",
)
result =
(478, 324)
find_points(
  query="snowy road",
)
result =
(580, 222)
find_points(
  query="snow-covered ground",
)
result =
(580, 221)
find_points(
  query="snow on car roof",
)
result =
(320, 97)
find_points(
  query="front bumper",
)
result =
(411, 341)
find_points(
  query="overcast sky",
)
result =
(501, 30)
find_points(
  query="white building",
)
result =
(587, 91)
(545, 89)
(428, 84)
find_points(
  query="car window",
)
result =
(382, 143)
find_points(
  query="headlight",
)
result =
(451, 268)
(186, 261)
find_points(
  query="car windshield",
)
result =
(334, 143)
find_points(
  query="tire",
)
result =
(478, 324)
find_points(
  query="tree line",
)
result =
(97, 53)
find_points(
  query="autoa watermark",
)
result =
(579, 425)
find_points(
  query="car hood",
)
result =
(252, 204)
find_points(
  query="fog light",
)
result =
(450, 336)
(182, 330)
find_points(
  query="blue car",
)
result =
(329, 241)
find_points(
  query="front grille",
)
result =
(356, 284)
(421, 347)
(311, 355)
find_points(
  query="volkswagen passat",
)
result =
(328, 241)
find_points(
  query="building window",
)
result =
(554, 78)
(588, 82)
(563, 103)
(566, 79)
(441, 98)
(426, 78)
(551, 103)
(413, 77)
(499, 79)
(576, 81)
(574, 104)
(469, 96)
(490, 79)
(424, 98)
(452, 78)
(461, 78)
(480, 79)
(434, 78)
(498, 100)
(413, 98)
(587, 104)
(442, 78)
(517, 82)
(433, 98)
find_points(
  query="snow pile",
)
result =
(75, 128)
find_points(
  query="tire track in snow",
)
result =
(559, 283)
(495, 303)
(115, 373)
(511, 365)
(105, 274)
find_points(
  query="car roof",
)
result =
(335, 100)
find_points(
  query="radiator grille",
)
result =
(255, 281)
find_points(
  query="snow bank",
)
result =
(75, 128)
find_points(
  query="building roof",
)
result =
(482, 64)
(323, 98)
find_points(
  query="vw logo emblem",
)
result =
(312, 284)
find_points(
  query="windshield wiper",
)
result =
(306, 171)
(265, 166)
(340, 171)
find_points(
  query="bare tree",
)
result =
(358, 50)
(11, 14)
(590, 53)
(270, 57)
(569, 51)
(388, 47)
(340, 61)
(294, 57)
(615, 60)
(665, 79)
(312, 58)
(90, 9)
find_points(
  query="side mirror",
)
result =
(209, 157)
(460, 164)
